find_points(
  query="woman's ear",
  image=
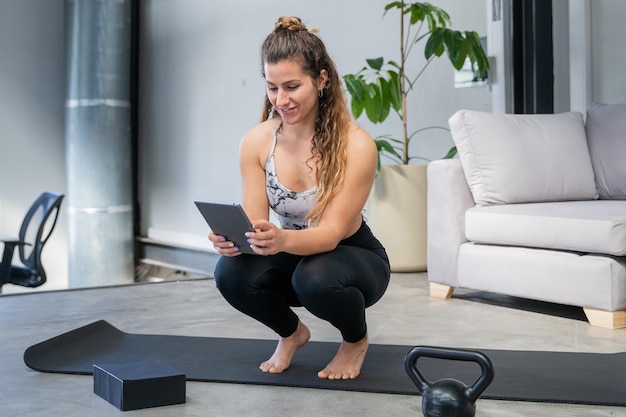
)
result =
(322, 80)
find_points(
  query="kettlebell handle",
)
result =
(473, 392)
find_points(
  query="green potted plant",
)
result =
(381, 89)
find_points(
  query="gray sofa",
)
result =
(534, 207)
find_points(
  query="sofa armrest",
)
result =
(449, 197)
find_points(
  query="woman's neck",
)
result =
(297, 132)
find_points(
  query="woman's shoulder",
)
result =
(257, 142)
(359, 138)
(262, 132)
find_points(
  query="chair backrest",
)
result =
(37, 226)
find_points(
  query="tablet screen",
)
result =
(228, 220)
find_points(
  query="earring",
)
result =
(320, 93)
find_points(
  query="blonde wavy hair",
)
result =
(292, 40)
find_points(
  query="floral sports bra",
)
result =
(291, 207)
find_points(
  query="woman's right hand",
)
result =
(223, 246)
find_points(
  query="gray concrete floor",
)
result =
(406, 315)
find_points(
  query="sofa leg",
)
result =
(440, 290)
(606, 319)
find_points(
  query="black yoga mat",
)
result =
(561, 377)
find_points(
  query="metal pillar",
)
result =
(99, 142)
(533, 66)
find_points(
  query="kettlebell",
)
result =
(448, 397)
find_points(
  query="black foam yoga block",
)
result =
(141, 384)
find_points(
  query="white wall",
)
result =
(201, 90)
(608, 51)
(32, 140)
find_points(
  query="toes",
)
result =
(272, 368)
(276, 370)
(330, 374)
(265, 367)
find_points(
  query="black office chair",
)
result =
(34, 233)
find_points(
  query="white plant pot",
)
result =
(396, 213)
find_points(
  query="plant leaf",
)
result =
(394, 64)
(457, 47)
(376, 63)
(384, 146)
(395, 4)
(433, 15)
(395, 96)
(451, 153)
(355, 87)
(418, 11)
(357, 108)
(480, 62)
(376, 106)
(434, 44)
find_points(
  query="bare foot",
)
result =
(286, 348)
(347, 362)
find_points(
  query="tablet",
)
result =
(228, 220)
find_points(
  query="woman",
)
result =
(314, 168)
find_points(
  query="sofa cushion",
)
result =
(606, 134)
(594, 226)
(515, 158)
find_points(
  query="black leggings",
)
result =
(335, 286)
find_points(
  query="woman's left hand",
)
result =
(267, 238)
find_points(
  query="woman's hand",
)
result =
(267, 238)
(223, 246)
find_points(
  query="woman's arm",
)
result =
(253, 151)
(252, 148)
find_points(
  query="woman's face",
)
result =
(292, 92)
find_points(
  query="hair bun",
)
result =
(291, 23)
